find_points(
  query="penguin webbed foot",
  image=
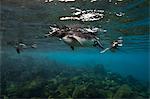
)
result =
(18, 50)
(72, 48)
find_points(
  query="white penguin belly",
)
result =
(70, 41)
(78, 42)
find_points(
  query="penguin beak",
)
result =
(46, 35)
(49, 34)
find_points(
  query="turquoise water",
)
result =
(29, 21)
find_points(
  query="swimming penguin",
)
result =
(114, 45)
(20, 46)
(117, 43)
(77, 39)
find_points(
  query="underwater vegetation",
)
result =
(52, 80)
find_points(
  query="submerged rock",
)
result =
(72, 82)
(123, 92)
(78, 91)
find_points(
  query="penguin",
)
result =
(114, 45)
(20, 46)
(77, 39)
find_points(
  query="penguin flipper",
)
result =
(103, 51)
(98, 43)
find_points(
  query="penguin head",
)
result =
(59, 34)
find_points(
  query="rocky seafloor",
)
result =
(52, 80)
